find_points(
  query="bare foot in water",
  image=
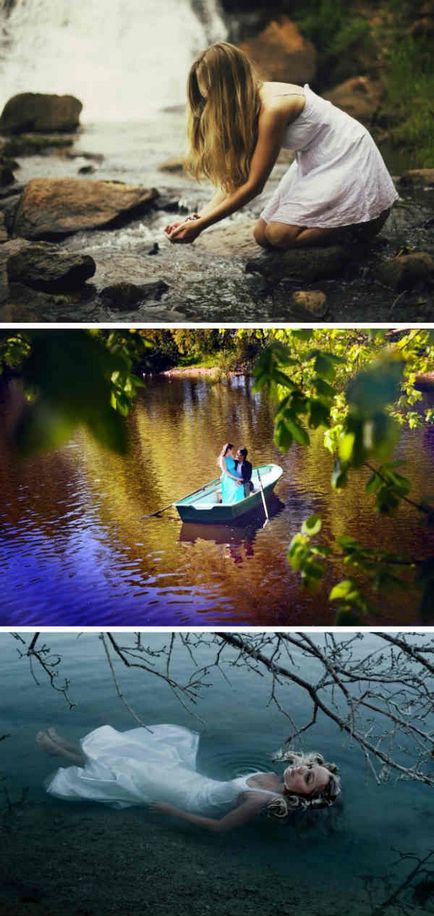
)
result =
(47, 744)
(53, 744)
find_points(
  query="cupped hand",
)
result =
(184, 233)
(168, 229)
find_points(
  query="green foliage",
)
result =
(409, 91)
(361, 391)
(70, 379)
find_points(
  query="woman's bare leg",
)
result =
(54, 745)
(282, 236)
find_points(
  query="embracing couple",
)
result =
(236, 474)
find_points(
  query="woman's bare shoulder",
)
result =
(282, 100)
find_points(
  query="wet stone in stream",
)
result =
(224, 275)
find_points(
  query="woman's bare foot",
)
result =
(62, 742)
(47, 744)
(53, 744)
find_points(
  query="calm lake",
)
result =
(76, 548)
(330, 858)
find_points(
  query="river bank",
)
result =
(90, 861)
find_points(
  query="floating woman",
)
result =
(157, 767)
(337, 188)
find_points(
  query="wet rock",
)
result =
(417, 178)
(8, 248)
(408, 271)
(229, 241)
(3, 228)
(86, 170)
(50, 269)
(312, 301)
(125, 295)
(6, 174)
(174, 166)
(98, 158)
(14, 313)
(281, 53)
(302, 264)
(359, 96)
(37, 145)
(50, 208)
(35, 111)
(168, 202)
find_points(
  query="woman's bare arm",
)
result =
(246, 811)
(272, 125)
(216, 199)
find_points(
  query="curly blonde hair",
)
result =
(282, 806)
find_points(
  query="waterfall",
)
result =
(122, 58)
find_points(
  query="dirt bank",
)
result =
(92, 861)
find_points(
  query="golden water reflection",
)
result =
(77, 548)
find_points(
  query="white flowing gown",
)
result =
(338, 177)
(138, 766)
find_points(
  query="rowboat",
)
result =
(204, 506)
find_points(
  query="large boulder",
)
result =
(408, 271)
(35, 111)
(50, 269)
(306, 264)
(51, 208)
(359, 96)
(281, 53)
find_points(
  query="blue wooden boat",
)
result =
(204, 506)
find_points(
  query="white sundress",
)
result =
(338, 177)
(137, 767)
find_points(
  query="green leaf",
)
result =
(312, 525)
(343, 589)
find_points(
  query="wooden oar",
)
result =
(171, 505)
(267, 517)
(159, 511)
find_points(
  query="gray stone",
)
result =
(408, 271)
(125, 295)
(50, 269)
(302, 264)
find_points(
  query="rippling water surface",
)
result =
(239, 733)
(76, 547)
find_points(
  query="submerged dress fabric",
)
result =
(338, 177)
(232, 492)
(140, 766)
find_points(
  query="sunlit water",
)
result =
(76, 546)
(239, 732)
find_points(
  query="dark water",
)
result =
(239, 731)
(76, 548)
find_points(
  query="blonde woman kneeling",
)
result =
(338, 185)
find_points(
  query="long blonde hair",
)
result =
(224, 105)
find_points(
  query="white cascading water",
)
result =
(121, 58)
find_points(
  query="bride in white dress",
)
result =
(157, 766)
